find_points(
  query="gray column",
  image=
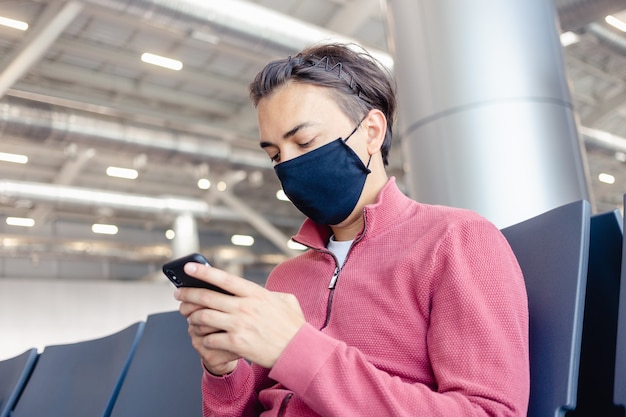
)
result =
(186, 236)
(486, 117)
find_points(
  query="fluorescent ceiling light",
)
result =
(104, 229)
(127, 173)
(295, 245)
(242, 240)
(9, 243)
(221, 186)
(204, 184)
(606, 178)
(20, 221)
(13, 24)
(569, 38)
(280, 195)
(13, 157)
(162, 61)
(205, 37)
(616, 23)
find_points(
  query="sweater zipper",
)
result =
(283, 404)
(331, 287)
(335, 277)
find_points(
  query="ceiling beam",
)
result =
(260, 223)
(53, 22)
(85, 127)
(603, 109)
(136, 88)
(199, 78)
(259, 27)
(66, 175)
(134, 111)
(205, 38)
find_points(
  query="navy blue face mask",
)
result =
(325, 184)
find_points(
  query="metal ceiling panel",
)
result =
(199, 123)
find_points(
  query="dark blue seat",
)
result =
(164, 378)
(14, 373)
(80, 379)
(552, 250)
(619, 395)
(597, 361)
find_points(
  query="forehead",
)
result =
(293, 104)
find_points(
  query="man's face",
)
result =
(297, 118)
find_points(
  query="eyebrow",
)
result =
(288, 134)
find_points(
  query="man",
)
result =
(398, 308)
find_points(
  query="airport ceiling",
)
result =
(76, 99)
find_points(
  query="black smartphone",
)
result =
(173, 270)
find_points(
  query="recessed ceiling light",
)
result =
(606, 178)
(13, 157)
(569, 38)
(242, 240)
(162, 61)
(104, 229)
(20, 221)
(13, 24)
(205, 37)
(127, 173)
(280, 195)
(295, 245)
(204, 184)
(616, 23)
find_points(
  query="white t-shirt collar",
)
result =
(339, 249)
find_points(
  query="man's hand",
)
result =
(254, 323)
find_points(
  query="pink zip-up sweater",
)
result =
(427, 317)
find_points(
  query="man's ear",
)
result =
(376, 124)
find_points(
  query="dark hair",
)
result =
(357, 80)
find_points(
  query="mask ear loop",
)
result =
(355, 129)
(352, 133)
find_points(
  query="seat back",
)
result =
(619, 389)
(164, 378)
(597, 359)
(14, 373)
(552, 250)
(80, 379)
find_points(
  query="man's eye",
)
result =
(275, 158)
(306, 144)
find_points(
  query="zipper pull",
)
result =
(333, 280)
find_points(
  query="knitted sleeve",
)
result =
(478, 334)
(233, 395)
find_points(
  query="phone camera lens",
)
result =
(173, 277)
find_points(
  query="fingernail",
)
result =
(191, 267)
(177, 293)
